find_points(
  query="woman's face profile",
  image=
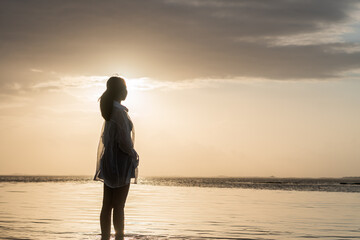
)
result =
(123, 93)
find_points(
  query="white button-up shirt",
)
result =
(117, 160)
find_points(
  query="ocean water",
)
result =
(68, 207)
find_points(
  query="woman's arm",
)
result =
(123, 137)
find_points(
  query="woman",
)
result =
(117, 160)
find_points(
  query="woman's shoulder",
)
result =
(119, 115)
(119, 106)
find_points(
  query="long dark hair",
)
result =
(115, 90)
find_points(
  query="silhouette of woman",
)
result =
(117, 160)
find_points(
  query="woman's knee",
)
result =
(119, 205)
(119, 197)
(107, 204)
(106, 208)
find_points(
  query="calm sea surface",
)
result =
(68, 207)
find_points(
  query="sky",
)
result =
(216, 88)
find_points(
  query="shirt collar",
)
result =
(119, 105)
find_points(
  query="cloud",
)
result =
(36, 70)
(177, 41)
(68, 82)
(137, 84)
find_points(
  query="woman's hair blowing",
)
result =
(115, 90)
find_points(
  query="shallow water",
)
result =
(70, 210)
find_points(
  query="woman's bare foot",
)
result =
(119, 236)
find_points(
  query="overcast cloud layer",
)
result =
(177, 40)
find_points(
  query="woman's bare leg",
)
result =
(119, 199)
(105, 215)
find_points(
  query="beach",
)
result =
(70, 210)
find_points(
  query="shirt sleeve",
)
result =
(123, 136)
